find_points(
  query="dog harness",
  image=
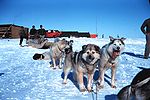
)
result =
(84, 66)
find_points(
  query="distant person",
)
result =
(22, 35)
(145, 28)
(33, 32)
(41, 32)
(102, 35)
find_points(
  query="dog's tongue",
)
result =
(115, 54)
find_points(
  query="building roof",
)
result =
(7, 25)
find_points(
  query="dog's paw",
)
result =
(83, 90)
(54, 68)
(60, 67)
(100, 86)
(113, 86)
(64, 82)
(90, 90)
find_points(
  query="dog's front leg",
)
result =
(113, 72)
(80, 82)
(67, 70)
(89, 86)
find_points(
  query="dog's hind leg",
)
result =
(60, 62)
(101, 78)
(54, 63)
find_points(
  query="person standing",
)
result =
(33, 32)
(42, 32)
(145, 28)
(22, 35)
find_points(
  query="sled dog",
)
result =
(55, 53)
(109, 59)
(139, 89)
(83, 62)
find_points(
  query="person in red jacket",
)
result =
(145, 28)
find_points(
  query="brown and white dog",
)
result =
(83, 62)
(109, 59)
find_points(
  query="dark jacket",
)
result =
(146, 24)
(41, 31)
(33, 31)
(23, 33)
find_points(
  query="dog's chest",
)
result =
(87, 68)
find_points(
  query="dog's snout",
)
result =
(118, 48)
(90, 57)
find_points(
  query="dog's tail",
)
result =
(125, 93)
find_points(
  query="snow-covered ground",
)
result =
(22, 78)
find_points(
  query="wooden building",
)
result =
(11, 30)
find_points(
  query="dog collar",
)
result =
(59, 48)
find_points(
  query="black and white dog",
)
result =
(139, 89)
(109, 59)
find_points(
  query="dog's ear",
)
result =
(123, 38)
(71, 41)
(111, 38)
(124, 93)
(97, 48)
(84, 47)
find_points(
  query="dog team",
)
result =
(91, 58)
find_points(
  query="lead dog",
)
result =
(83, 62)
(139, 89)
(55, 53)
(109, 59)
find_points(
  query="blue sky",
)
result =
(111, 17)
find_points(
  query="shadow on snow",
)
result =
(133, 54)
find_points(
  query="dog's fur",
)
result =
(55, 53)
(109, 59)
(139, 89)
(83, 62)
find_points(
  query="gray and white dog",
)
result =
(109, 59)
(55, 53)
(139, 89)
(83, 62)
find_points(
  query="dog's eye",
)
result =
(93, 52)
(87, 52)
(119, 44)
(115, 44)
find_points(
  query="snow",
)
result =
(22, 78)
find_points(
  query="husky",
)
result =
(109, 59)
(83, 62)
(56, 52)
(139, 89)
